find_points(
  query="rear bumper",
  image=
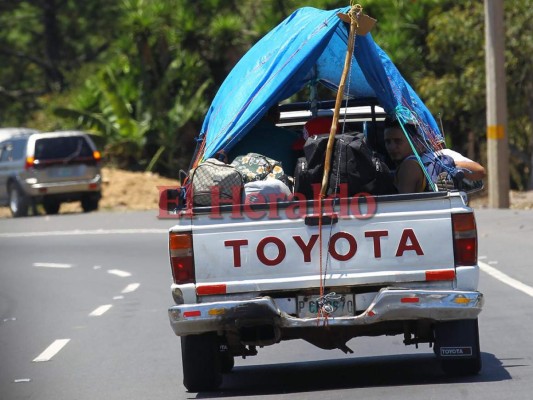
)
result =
(388, 305)
(58, 188)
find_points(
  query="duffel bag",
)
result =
(352, 163)
(215, 177)
(257, 167)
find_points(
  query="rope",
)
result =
(405, 115)
(354, 14)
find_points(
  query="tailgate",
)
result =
(264, 253)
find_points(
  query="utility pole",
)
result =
(497, 143)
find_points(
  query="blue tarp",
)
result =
(308, 47)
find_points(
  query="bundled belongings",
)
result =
(442, 171)
(213, 181)
(268, 191)
(353, 164)
(256, 167)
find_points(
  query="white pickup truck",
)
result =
(245, 280)
(247, 276)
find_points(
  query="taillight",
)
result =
(97, 155)
(29, 162)
(181, 257)
(464, 239)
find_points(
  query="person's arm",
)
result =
(410, 178)
(473, 170)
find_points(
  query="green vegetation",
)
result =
(139, 74)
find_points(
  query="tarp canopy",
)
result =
(308, 47)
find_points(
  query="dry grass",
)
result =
(121, 190)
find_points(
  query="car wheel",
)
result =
(51, 207)
(200, 355)
(89, 203)
(18, 201)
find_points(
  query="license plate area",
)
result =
(68, 171)
(338, 305)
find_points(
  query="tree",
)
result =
(43, 41)
(455, 79)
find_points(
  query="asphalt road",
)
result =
(83, 302)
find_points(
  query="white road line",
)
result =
(52, 350)
(132, 287)
(51, 265)
(118, 272)
(100, 310)
(82, 232)
(516, 284)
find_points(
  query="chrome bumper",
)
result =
(388, 305)
(36, 189)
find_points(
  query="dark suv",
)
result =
(48, 168)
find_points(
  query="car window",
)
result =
(62, 147)
(5, 152)
(19, 149)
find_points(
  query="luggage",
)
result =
(267, 191)
(302, 179)
(352, 163)
(257, 167)
(213, 177)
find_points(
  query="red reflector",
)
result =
(181, 257)
(188, 314)
(182, 269)
(210, 289)
(444, 275)
(410, 300)
(93, 185)
(466, 251)
(465, 239)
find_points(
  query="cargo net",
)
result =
(426, 140)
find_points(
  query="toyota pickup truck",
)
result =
(325, 270)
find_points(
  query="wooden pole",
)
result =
(497, 144)
(338, 101)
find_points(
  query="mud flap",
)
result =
(457, 340)
(457, 347)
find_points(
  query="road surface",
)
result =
(83, 300)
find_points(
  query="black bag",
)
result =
(214, 176)
(302, 179)
(352, 163)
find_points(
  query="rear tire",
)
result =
(18, 201)
(90, 203)
(200, 355)
(51, 207)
